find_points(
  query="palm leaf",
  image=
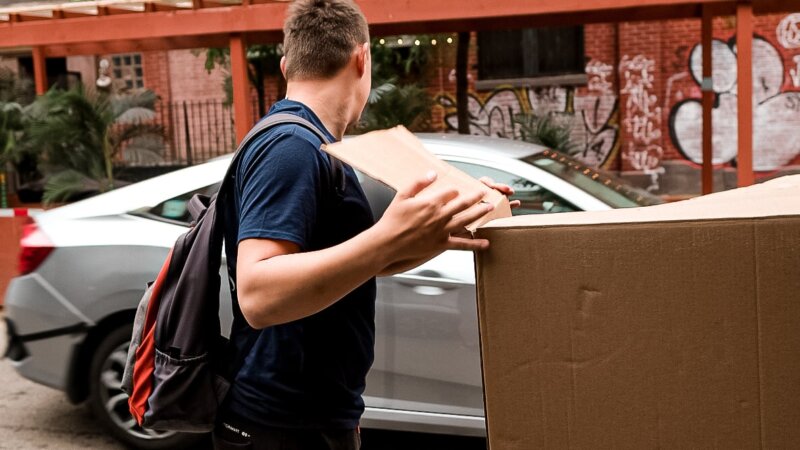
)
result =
(134, 115)
(65, 185)
(144, 150)
(376, 93)
(120, 104)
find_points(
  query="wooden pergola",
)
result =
(120, 26)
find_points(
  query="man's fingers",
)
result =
(441, 197)
(515, 204)
(418, 186)
(457, 243)
(458, 222)
(501, 187)
(461, 203)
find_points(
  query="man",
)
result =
(305, 258)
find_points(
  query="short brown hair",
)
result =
(320, 35)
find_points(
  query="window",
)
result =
(534, 199)
(531, 52)
(176, 210)
(603, 186)
(128, 69)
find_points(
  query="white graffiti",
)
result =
(794, 72)
(492, 117)
(788, 31)
(598, 73)
(642, 116)
(591, 118)
(776, 114)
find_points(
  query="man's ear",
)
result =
(283, 66)
(362, 58)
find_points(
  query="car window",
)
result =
(606, 187)
(176, 209)
(534, 198)
(378, 194)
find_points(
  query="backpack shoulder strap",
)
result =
(336, 169)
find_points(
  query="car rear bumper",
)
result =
(43, 331)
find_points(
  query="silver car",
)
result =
(85, 266)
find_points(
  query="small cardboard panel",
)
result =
(397, 158)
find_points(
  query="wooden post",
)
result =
(39, 70)
(744, 66)
(708, 102)
(242, 109)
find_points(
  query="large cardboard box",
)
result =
(674, 326)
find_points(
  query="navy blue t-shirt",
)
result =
(309, 373)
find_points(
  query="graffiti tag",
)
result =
(642, 116)
(788, 31)
(775, 112)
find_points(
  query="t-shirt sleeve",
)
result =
(280, 187)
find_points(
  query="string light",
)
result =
(433, 41)
(400, 41)
(416, 42)
(382, 41)
(449, 40)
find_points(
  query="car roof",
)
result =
(153, 191)
(465, 144)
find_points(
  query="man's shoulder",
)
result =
(289, 143)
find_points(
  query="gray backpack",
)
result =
(179, 367)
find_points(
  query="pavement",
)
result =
(33, 416)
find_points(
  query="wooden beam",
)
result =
(383, 16)
(744, 82)
(39, 70)
(242, 114)
(159, 44)
(707, 28)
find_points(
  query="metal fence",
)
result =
(193, 131)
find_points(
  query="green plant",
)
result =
(15, 89)
(545, 130)
(391, 105)
(263, 61)
(11, 126)
(396, 98)
(79, 133)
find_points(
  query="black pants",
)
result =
(235, 433)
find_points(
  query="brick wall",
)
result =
(638, 111)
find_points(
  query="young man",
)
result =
(305, 257)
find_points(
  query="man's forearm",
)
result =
(289, 287)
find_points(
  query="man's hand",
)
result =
(421, 223)
(504, 189)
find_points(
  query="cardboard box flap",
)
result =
(778, 197)
(397, 158)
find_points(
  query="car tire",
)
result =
(109, 404)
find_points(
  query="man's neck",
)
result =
(328, 101)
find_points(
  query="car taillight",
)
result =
(35, 246)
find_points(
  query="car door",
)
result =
(427, 353)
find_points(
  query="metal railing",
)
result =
(193, 132)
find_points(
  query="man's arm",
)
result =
(278, 284)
